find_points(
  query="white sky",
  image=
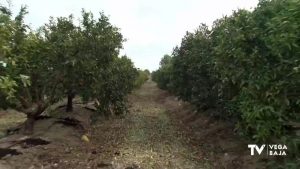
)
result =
(152, 27)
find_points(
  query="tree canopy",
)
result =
(63, 59)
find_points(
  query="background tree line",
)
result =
(63, 60)
(247, 68)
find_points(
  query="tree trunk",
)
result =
(32, 112)
(29, 124)
(70, 102)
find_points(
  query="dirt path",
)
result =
(152, 140)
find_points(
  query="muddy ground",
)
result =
(159, 132)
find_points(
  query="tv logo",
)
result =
(271, 149)
(255, 147)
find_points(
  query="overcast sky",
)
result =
(152, 27)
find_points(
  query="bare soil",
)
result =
(159, 132)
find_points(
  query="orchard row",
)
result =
(246, 68)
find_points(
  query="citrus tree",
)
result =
(113, 85)
(80, 51)
(62, 59)
(25, 80)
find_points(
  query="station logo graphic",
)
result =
(269, 149)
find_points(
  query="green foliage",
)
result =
(161, 75)
(81, 51)
(7, 84)
(142, 77)
(38, 68)
(147, 72)
(115, 82)
(261, 72)
(248, 66)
